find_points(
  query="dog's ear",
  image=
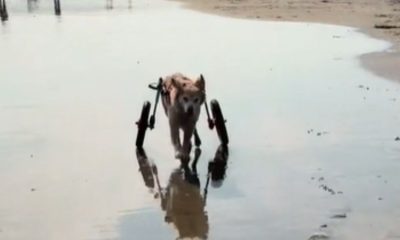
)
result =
(176, 84)
(200, 83)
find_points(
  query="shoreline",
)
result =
(380, 20)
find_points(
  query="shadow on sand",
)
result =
(183, 200)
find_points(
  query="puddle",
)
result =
(72, 88)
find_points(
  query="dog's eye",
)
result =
(185, 99)
(196, 100)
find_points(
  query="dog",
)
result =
(182, 98)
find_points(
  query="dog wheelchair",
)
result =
(217, 120)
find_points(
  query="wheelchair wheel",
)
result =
(219, 122)
(143, 124)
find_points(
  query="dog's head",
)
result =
(191, 94)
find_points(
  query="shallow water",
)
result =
(305, 121)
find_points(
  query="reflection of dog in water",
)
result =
(182, 200)
(184, 206)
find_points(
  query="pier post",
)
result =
(109, 4)
(3, 10)
(31, 5)
(57, 7)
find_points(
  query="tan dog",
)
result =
(182, 100)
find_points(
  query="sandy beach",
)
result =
(380, 19)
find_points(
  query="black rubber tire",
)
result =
(219, 122)
(143, 124)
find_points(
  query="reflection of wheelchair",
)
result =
(182, 200)
(144, 122)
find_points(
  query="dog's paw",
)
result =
(181, 155)
(178, 154)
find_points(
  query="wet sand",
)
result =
(312, 153)
(380, 19)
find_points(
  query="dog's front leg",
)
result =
(175, 139)
(187, 144)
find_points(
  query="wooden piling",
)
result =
(57, 7)
(3, 12)
(109, 4)
(30, 5)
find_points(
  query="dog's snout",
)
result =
(190, 110)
